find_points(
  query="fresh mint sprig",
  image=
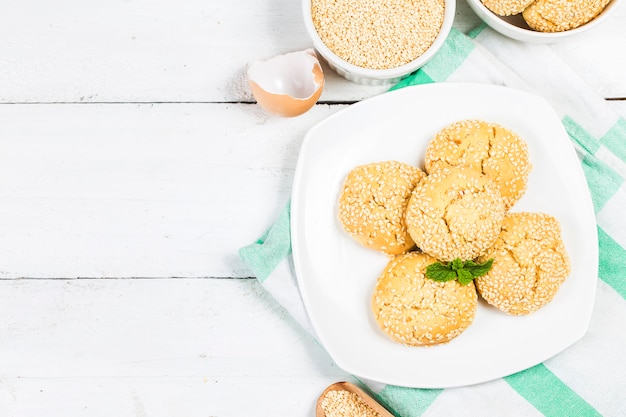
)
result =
(463, 271)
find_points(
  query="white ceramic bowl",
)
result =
(515, 27)
(374, 76)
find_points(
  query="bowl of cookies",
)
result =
(543, 21)
(377, 42)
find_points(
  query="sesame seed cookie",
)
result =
(415, 310)
(561, 15)
(530, 264)
(455, 212)
(506, 7)
(372, 205)
(487, 147)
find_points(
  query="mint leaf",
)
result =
(457, 264)
(478, 270)
(465, 276)
(463, 271)
(440, 272)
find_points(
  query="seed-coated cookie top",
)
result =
(506, 7)
(373, 201)
(415, 310)
(487, 147)
(455, 212)
(530, 264)
(561, 15)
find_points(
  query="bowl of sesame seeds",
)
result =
(377, 42)
(543, 21)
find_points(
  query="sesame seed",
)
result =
(378, 34)
(372, 205)
(417, 311)
(486, 147)
(343, 403)
(561, 15)
(530, 264)
(455, 212)
(506, 7)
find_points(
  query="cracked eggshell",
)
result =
(287, 85)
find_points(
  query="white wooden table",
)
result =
(133, 165)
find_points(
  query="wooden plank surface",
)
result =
(132, 157)
(154, 51)
(164, 190)
(154, 347)
(141, 190)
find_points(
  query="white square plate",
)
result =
(336, 276)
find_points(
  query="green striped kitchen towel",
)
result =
(587, 379)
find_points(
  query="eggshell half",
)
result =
(287, 85)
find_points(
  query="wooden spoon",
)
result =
(346, 386)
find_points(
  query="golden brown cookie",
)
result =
(530, 263)
(506, 7)
(561, 15)
(415, 310)
(487, 147)
(372, 205)
(455, 212)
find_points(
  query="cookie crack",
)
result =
(483, 161)
(551, 21)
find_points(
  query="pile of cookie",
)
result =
(457, 208)
(549, 15)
